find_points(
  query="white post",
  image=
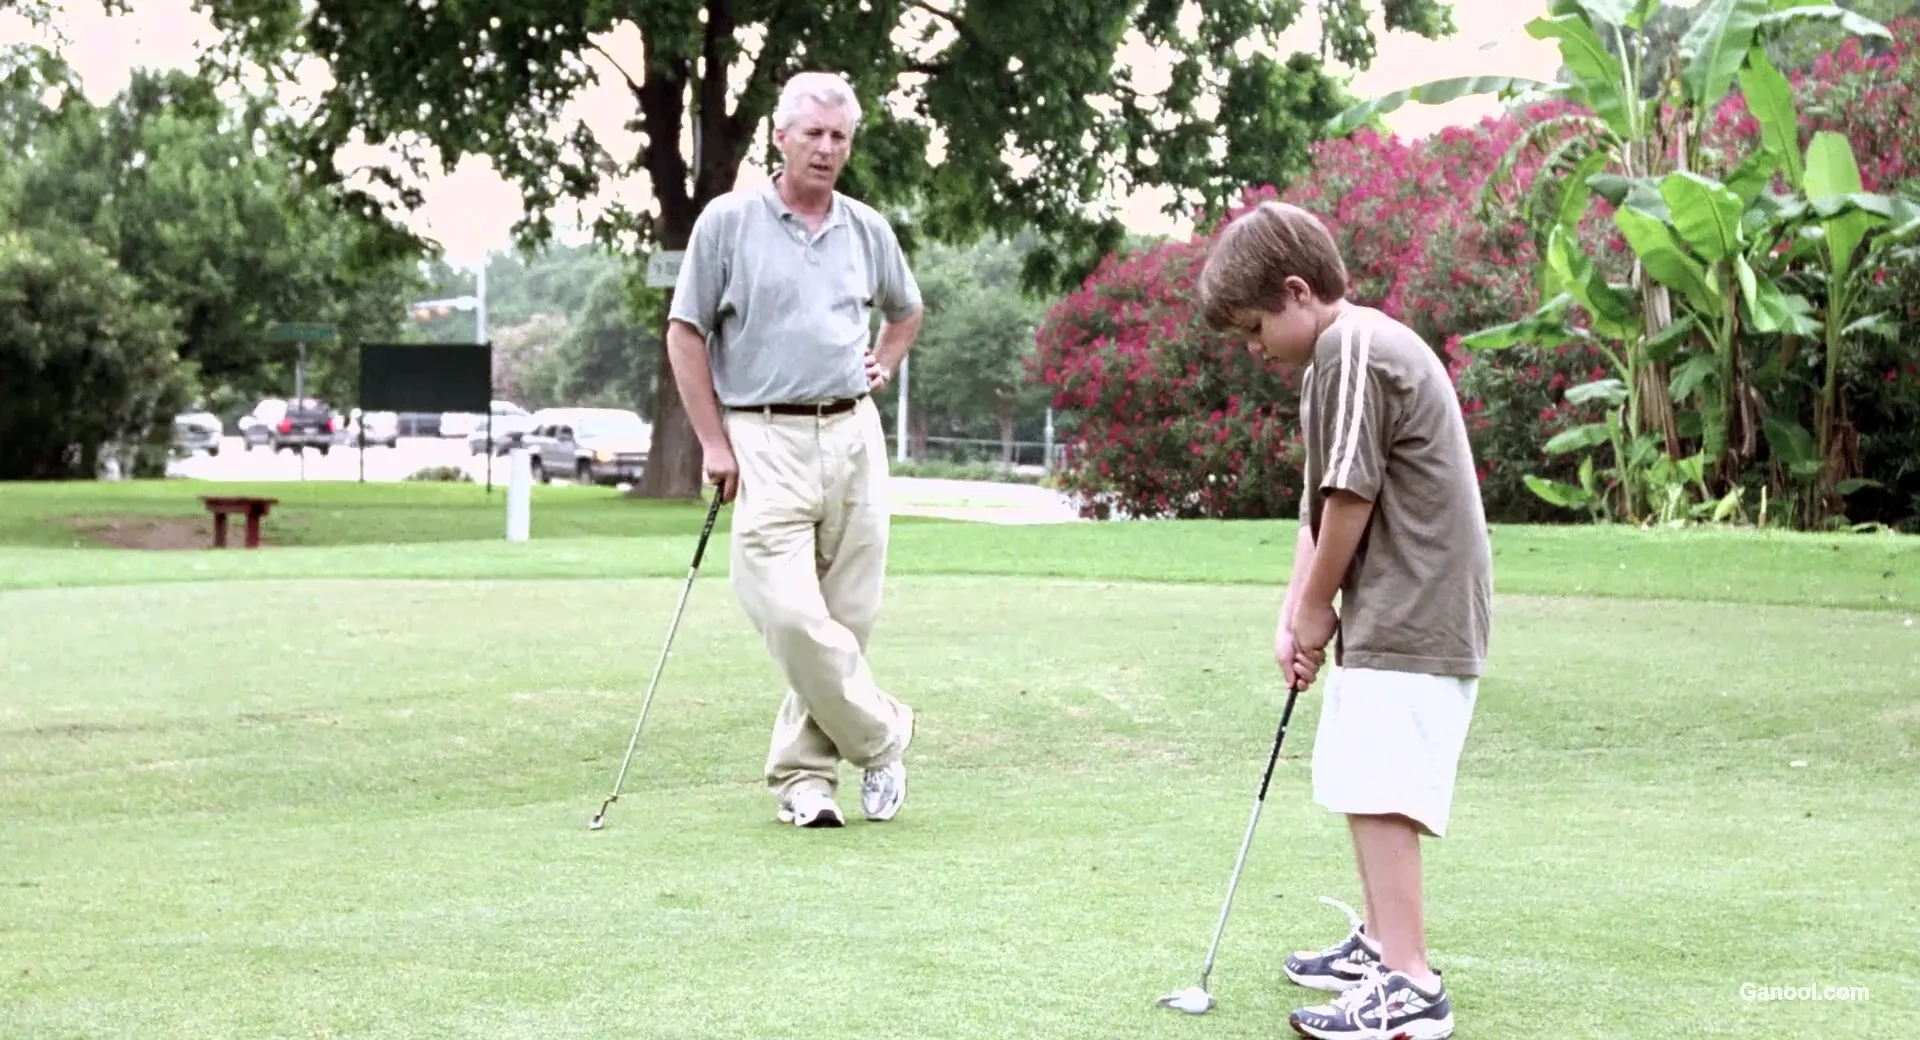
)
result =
(480, 302)
(1046, 460)
(519, 495)
(900, 416)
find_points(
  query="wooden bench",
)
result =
(223, 506)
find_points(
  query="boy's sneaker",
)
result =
(1381, 1007)
(884, 790)
(1340, 966)
(811, 807)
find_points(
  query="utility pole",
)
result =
(900, 415)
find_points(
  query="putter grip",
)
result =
(713, 512)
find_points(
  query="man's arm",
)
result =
(687, 353)
(691, 318)
(900, 304)
(896, 338)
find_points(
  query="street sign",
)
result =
(300, 332)
(663, 268)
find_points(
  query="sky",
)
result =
(471, 208)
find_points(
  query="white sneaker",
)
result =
(811, 807)
(883, 791)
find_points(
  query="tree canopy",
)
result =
(975, 114)
(187, 197)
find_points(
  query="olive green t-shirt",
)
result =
(1382, 421)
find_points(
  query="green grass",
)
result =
(342, 790)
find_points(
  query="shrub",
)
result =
(440, 474)
(1175, 422)
(1178, 423)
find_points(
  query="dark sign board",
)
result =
(426, 377)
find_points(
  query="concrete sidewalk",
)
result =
(984, 501)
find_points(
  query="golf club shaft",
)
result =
(699, 552)
(1233, 883)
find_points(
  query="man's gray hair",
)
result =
(823, 88)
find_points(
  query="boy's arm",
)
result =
(1342, 523)
(1351, 419)
(1302, 566)
(1284, 653)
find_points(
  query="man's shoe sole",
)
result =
(825, 819)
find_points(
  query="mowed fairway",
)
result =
(288, 804)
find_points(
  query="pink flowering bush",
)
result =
(1177, 423)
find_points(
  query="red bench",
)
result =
(223, 506)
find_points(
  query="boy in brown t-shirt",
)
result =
(1391, 519)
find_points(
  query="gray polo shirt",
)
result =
(787, 315)
(1382, 421)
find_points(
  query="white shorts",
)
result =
(1389, 742)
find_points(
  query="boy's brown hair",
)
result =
(1247, 269)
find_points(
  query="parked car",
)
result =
(588, 445)
(198, 431)
(256, 427)
(284, 425)
(507, 431)
(382, 429)
(419, 424)
(462, 424)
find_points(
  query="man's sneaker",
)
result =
(1340, 966)
(1381, 1007)
(811, 807)
(884, 790)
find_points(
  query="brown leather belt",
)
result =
(843, 404)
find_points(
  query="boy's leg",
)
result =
(1386, 756)
(1388, 848)
(1345, 963)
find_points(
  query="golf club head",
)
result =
(1193, 1000)
(600, 818)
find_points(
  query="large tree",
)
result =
(1038, 119)
(86, 364)
(188, 194)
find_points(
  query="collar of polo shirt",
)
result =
(836, 209)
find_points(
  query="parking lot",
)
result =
(411, 455)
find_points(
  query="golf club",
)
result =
(600, 818)
(1196, 1000)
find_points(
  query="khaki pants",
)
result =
(809, 558)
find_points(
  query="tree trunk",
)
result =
(675, 464)
(917, 435)
(674, 460)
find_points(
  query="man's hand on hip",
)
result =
(876, 372)
(722, 468)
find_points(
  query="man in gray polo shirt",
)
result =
(768, 336)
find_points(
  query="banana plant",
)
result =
(1842, 234)
(1622, 137)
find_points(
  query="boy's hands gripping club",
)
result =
(1299, 663)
